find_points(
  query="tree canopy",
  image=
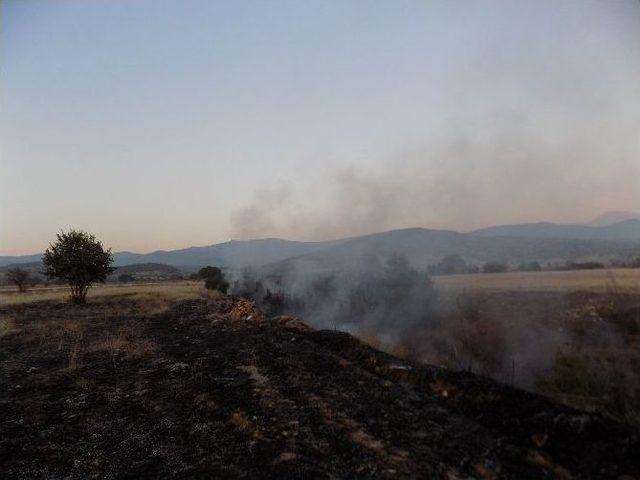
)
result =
(79, 259)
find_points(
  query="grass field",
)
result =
(561, 281)
(574, 335)
(171, 291)
(135, 384)
(564, 281)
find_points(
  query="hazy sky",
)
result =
(163, 124)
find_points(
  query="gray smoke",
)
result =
(496, 175)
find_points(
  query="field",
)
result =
(169, 291)
(550, 281)
(573, 335)
(173, 381)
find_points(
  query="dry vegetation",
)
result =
(139, 384)
(548, 281)
(574, 336)
(164, 292)
(171, 380)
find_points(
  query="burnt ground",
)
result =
(211, 389)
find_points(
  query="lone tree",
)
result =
(80, 259)
(19, 277)
(214, 279)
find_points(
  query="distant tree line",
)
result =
(455, 264)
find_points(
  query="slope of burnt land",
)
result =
(212, 389)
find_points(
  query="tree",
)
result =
(208, 272)
(450, 264)
(19, 277)
(125, 278)
(530, 267)
(214, 279)
(494, 267)
(79, 259)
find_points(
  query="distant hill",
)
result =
(19, 259)
(146, 271)
(423, 247)
(232, 254)
(139, 271)
(625, 231)
(512, 243)
(609, 218)
(34, 269)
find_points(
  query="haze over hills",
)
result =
(542, 241)
(232, 254)
(609, 218)
(423, 247)
(625, 231)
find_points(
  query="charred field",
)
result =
(128, 387)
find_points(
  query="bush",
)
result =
(208, 272)
(494, 267)
(530, 267)
(79, 259)
(609, 384)
(214, 279)
(19, 277)
(125, 278)
(583, 266)
(451, 264)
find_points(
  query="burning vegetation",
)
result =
(211, 387)
(579, 348)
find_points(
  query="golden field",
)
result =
(555, 281)
(169, 291)
(549, 281)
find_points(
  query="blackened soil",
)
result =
(210, 394)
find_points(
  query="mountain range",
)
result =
(625, 231)
(512, 243)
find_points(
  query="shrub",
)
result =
(125, 278)
(609, 384)
(582, 266)
(530, 267)
(79, 259)
(19, 277)
(450, 264)
(494, 267)
(214, 279)
(208, 272)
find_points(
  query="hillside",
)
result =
(514, 243)
(146, 271)
(209, 388)
(423, 247)
(233, 254)
(609, 218)
(624, 231)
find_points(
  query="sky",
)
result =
(160, 124)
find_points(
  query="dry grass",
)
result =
(117, 309)
(163, 291)
(130, 340)
(562, 281)
(8, 326)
